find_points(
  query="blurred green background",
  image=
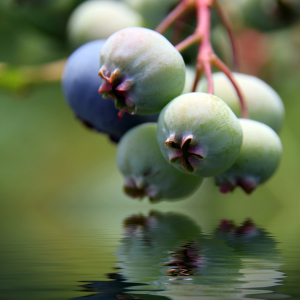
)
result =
(47, 157)
(54, 173)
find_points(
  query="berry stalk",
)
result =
(222, 67)
(205, 49)
(174, 15)
(226, 22)
(206, 56)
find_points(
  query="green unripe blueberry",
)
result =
(93, 20)
(141, 69)
(189, 79)
(263, 103)
(199, 134)
(145, 170)
(257, 161)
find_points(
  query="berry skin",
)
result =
(141, 69)
(258, 159)
(199, 134)
(189, 79)
(93, 20)
(263, 103)
(145, 170)
(80, 83)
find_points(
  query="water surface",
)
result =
(152, 254)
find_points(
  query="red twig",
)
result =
(178, 11)
(206, 55)
(198, 74)
(192, 39)
(208, 74)
(228, 73)
(225, 20)
(205, 49)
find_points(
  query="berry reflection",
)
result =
(166, 256)
(185, 261)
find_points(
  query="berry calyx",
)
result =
(146, 172)
(80, 83)
(141, 70)
(117, 88)
(184, 151)
(199, 134)
(257, 161)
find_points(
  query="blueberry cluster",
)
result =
(197, 134)
(80, 84)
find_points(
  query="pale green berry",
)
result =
(262, 101)
(93, 20)
(199, 134)
(189, 79)
(257, 161)
(145, 170)
(141, 69)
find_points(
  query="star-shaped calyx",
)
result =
(117, 86)
(184, 261)
(184, 151)
(247, 229)
(229, 183)
(137, 187)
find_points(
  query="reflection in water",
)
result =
(115, 289)
(259, 256)
(166, 256)
(185, 261)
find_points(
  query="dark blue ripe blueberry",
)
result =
(80, 83)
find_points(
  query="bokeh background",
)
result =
(58, 179)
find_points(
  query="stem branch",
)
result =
(205, 49)
(225, 20)
(198, 74)
(178, 11)
(227, 72)
(190, 40)
(208, 74)
(17, 78)
(206, 55)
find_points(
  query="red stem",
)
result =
(197, 76)
(203, 16)
(226, 22)
(228, 73)
(178, 11)
(205, 49)
(190, 40)
(206, 55)
(208, 74)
